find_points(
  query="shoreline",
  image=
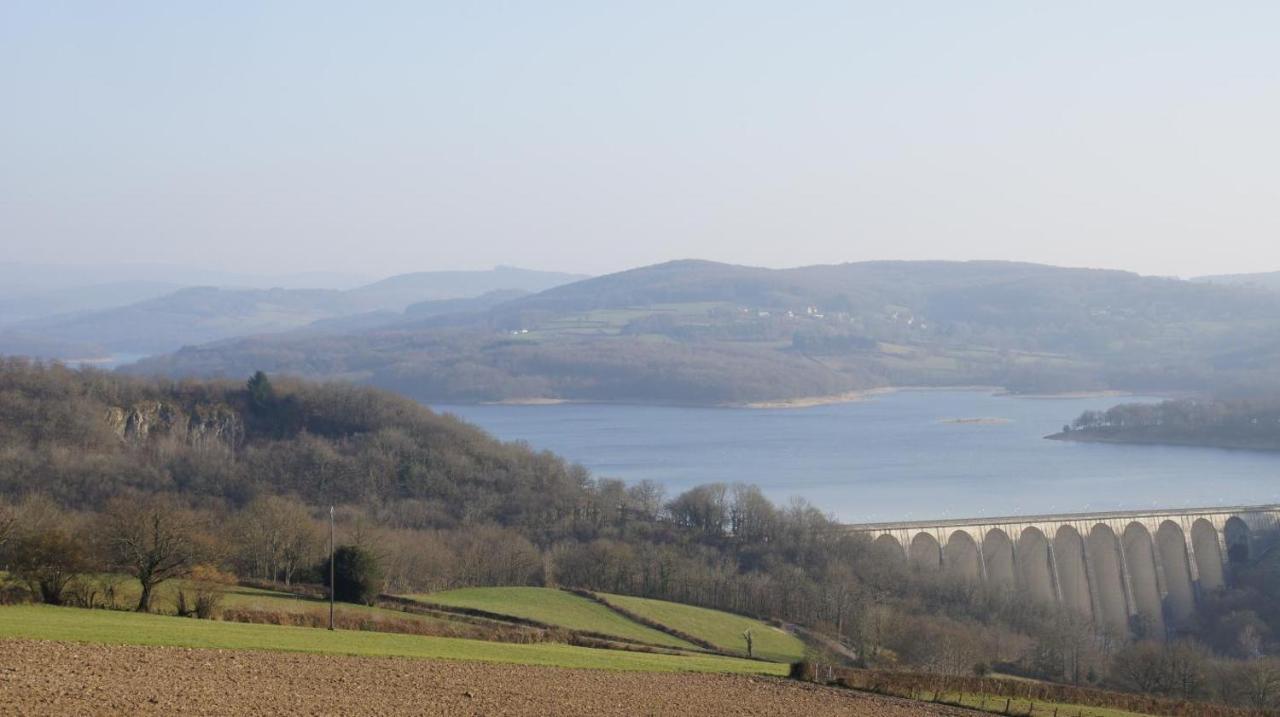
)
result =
(1101, 393)
(527, 402)
(1080, 436)
(862, 394)
(853, 396)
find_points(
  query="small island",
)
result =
(1243, 424)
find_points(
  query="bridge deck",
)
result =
(1059, 517)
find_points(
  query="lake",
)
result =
(896, 456)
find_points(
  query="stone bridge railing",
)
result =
(1128, 571)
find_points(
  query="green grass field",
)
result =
(126, 628)
(993, 703)
(249, 598)
(553, 607)
(724, 630)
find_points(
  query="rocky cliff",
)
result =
(138, 423)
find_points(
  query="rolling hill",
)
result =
(198, 315)
(1263, 280)
(702, 332)
(724, 630)
(551, 606)
(645, 620)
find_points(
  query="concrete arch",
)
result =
(1073, 572)
(960, 557)
(1034, 565)
(1239, 542)
(1108, 574)
(1139, 555)
(1171, 544)
(888, 545)
(1204, 541)
(1138, 573)
(997, 554)
(925, 553)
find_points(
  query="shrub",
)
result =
(208, 602)
(46, 559)
(804, 671)
(357, 575)
(208, 586)
(14, 594)
(82, 592)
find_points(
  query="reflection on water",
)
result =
(900, 456)
(107, 362)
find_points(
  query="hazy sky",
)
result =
(593, 136)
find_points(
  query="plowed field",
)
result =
(39, 678)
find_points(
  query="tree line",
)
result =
(1229, 423)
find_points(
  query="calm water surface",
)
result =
(894, 457)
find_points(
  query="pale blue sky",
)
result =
(594, 136)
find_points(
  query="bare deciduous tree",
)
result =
(275, 537)
(1256, 683)
(8, 519)
(1141, 667)
(46, 557)
(154, 538)
(1188, 666)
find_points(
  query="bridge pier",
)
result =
(1119, 569)
(1091, 580)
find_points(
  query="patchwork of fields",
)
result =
(68, 660)
(721, 629)
(126, 628)
(554, 607)
(77, 679)
(653, 622)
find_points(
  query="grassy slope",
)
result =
(990, 703)
(104, 626)
(554, 607)
(249, 598)
(721, 629)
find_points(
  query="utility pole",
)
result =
(333, 585)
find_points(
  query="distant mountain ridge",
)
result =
(695, 331)
(19, 303)
(198, 315)
(42, 277)
(1261, 280)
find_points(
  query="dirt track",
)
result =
(38, 678)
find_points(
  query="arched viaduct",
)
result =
(1130, 571)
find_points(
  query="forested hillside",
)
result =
(701, 332)
(85, 437)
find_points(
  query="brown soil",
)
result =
(43, 678)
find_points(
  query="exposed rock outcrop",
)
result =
(144, 420)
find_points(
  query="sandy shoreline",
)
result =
(527, 402)
(811, 401)
(862, 394)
